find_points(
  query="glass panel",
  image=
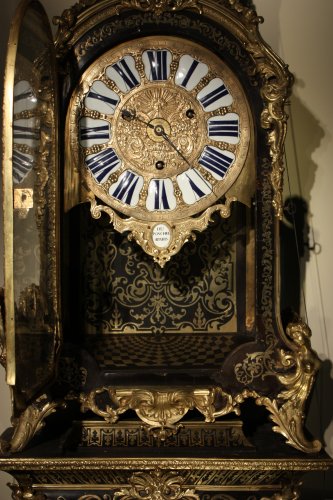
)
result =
(30, 182)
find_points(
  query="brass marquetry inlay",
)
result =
(196, 292)
(228, 434)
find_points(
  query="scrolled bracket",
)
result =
(31, 420)
(288, 409)
(275, 87)
(160, 410)
(295, 372)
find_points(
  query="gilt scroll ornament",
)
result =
(295, 370)
(31, 421)
(183, 231)
(161, 410)
(158, 485)
(288, 410)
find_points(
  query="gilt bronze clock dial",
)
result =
(163, 130)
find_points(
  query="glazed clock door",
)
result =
(30, 202)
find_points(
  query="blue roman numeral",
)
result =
(22, 165)
(214, 96)
(100, 97)
(125, 73)
(215, 161)
(161, 199)
(189, 73)
(226, 128)
(25, 133)
(93, 133)
(28, 95)
(158, 64)
(195, 188)
(102, 164)
(126, 187)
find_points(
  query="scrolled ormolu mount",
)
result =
(295, 371)
(288, 410)
(29, 423)
(158, 484)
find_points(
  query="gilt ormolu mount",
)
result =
(141, 256)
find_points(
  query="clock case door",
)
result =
(30, 206)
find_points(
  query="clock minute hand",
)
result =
(159, 130)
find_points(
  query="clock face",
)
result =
(163, 129)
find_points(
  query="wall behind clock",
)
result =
(300, 32)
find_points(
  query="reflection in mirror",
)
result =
(30, 188)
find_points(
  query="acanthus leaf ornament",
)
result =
(295, 370)
(288, 411)
(30, 422)
(161, 6)
(140, 232)
(156, 485)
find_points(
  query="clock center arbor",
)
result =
(142, 199)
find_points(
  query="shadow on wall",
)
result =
(297, 249)
(303, 139)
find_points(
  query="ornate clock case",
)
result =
(142, 339)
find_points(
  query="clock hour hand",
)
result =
(159, 130)
(130, 115)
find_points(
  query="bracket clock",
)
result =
(142, 193)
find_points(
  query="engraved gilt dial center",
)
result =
(151, 126)
(160, 127)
